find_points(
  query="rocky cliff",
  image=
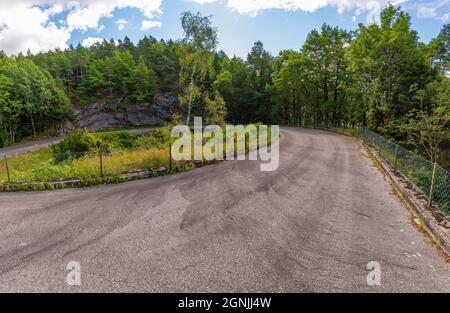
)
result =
(118, 113)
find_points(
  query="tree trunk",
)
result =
(317, 108)
(336, 86)
(11, 136)
(294, 107)
(32, 124)
(110, 88)
(191, 86)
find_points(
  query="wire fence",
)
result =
(429, 177)
(46, 169)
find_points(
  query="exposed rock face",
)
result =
(117, 113)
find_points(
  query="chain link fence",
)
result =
(430, 178)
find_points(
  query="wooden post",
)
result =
(101, 163)
(7, 170)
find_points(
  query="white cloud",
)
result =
(254, 7)
(425, 11)
(26, 27)
(121, 23)
(89, 41)
(26, 24)
(438, 9)
(85, 14)
(146, 25)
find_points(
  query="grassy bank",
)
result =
(89, 156)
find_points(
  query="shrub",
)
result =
(117, 140)
(74, 146)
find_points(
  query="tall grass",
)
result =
(40, 166)
(146, 152)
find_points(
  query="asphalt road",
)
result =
(311, 226)
(28, 147)
(45, 143)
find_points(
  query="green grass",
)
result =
(39, 166)
(124, 153)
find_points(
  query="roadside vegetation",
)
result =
(77, 156)
(96, 158)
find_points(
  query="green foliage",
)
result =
(30, 100)
(115, 140)
(10, 111)
(440, 50)
(379, 77)
(75, 146)
(143, 83)
(246, 87)
(110, 70)
(79, 144)
(216, 110)
(427, 130)
(162, 58)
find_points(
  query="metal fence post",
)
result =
(7, 170)
(396, 157)
(433, 179)
(101, 163)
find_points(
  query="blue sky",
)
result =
(278, 24)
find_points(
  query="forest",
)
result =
(380, 77)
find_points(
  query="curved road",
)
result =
(311, 226)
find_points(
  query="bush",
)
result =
(155, 139)
(117, 140)
(74, 146)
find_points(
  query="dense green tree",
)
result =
(10, 111)
(427, 130)
(440, 47)
(143, 83)
(32, 95)
(162, 58)
(390, 67)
